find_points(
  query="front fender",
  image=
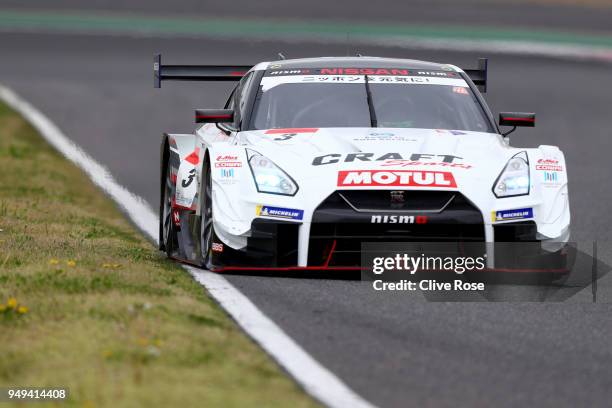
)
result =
(550, 185)
(184, 165)
(232, 181)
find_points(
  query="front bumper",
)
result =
(342, 222)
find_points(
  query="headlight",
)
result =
(269, 178)
(514, 178)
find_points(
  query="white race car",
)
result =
(311, 157)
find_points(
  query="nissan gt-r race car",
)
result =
(310, 158)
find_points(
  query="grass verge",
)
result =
(87, 304)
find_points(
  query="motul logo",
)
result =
(381, 178)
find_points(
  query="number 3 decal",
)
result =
(190, 177)
(285, 136)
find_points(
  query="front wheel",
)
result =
(167, 228)
(207, 231)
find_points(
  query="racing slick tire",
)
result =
(207, 229)
(167, 230)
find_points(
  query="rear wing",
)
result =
(236, 72)
(479, 76)
(196, 72)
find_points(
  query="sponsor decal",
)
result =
(183, 200)
(405, 178)
(217, 247)
(551, 177)
(176, 217)
(399, 219)
(506, 215)
(436, 73)
(386, 136)
(269, 82)
(275, 71)
(548, 165)
(227, 173)
(368, 157)
(228, 164)
(288, 72)
(409, 163)
(545, 167)
(548, 168)
(363, 71)
(227, 157)
(278, 212)
(186, 182)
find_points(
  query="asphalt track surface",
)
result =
(509, 13)
(393, 349)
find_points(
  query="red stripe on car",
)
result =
(213, 116)
(290, 130)
(521, 119)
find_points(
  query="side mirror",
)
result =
(515, 119)
(214, 116)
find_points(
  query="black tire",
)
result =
(207, 231)
(167, 230)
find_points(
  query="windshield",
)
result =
(443, 101)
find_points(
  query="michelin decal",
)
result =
(507, 215)
(278, 212)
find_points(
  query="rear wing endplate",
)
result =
(479, 76)
(196, 72)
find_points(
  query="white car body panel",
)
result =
(478, 159)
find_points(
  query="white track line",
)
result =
(317, 381)
(135, 207)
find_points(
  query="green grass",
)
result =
(87, 304)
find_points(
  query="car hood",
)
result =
(309, 152)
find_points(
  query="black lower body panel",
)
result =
(346, 219)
